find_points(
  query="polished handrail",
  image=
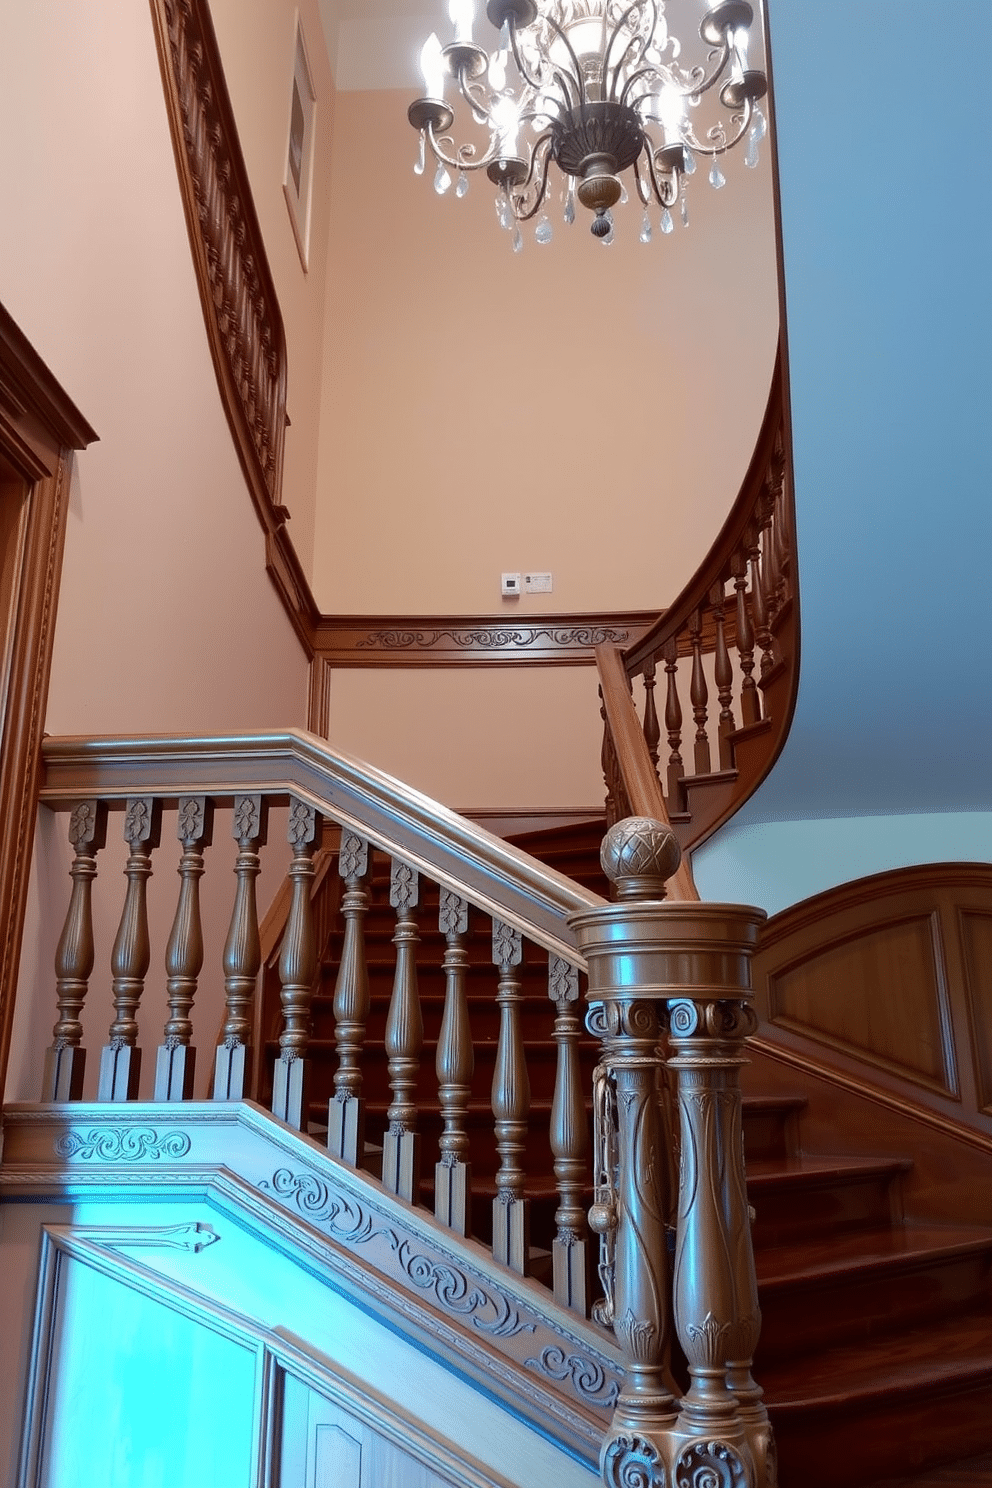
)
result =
(456, 853)
(644, 793)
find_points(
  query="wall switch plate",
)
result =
(537, 583)
(509, 585)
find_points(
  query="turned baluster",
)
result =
(120, 1061)
(759, 543)
(511, 1107)
(455, 1066)
(297, 972)
(652, 728)
(780, 529)
(723, 675)
(176, 1060)
(616, 796)
(65, 1061)
(404, 1039)
(673, 726)
(346, 1112)
(242, 953)
(699, 697)
(569, 1143)
(750, 703)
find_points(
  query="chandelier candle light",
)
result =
(597, 88)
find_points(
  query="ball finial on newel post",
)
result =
(638, 855)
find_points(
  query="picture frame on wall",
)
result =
(298, 178)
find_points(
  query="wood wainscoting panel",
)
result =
(881, 995)
(975, 929)
(887, 981)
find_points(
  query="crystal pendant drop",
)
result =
(667, 224)
(421, 165)
(461, 185)
(442, 181)
(624, 198)
(760, 128)
(717, 178)
(689, 165)
(504, 211)
(751, 158)
(518, 239)
(684, 210)
(570, 206)
(646, 228)
(607, 241)
(504, 36)
(543, 232)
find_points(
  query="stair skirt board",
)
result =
(440, 1299)
(204, 1392)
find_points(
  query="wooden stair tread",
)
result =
(975, 1472)
(908, 1246)
(812, 1169)
(954, 1352)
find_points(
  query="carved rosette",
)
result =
(711, 1464)
(630, 1461)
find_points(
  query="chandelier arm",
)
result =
(463, 157)
(636, 43)
(518, 198)
(474, 96)
(531, 82)
(578, 80)
(662, 188)
(698, 89)
(635, 77)
(719, 134)
(643, 194)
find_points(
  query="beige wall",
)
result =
(576, 409)
(497, 736)
(167, 619)
(257, 41)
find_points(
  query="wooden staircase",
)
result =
(876, 1345)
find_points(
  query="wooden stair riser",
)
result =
(801, 1203)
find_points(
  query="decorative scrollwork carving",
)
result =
(683, 1018)
(452, 913)
(489, 638)
(343, 1219)
(353, 856)
(633, 1462)
(711, 1464)
(507, 945)
(404, 886)
(588, 1376)
(122, 1144)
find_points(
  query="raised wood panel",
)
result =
(976, 947)
(886, 982)
(880, 995)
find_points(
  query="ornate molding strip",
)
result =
(121, 1144)
(447, 640)
(240, 306)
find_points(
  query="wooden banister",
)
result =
(640, 778)
(740, 649)
(450, 849)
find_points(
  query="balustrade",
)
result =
(668, 1001)
(744, 649)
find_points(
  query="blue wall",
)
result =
(882, 130)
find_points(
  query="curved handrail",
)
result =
(731, 753)
(456, 853)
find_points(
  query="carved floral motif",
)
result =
(122, 1144)
(588, 1377)
(710, 1465)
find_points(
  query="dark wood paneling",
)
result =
(886, 981)
(975, 929)
(879, 995)
(453, 640)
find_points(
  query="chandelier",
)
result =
(596, 88)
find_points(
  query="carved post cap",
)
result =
(638, 855)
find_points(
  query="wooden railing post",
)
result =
(455, 1065)
(346, 1110)
(120, 1061)
(65, 1061)
(511, 1106)
(684, 967)
(404, 1039)
(176, 1062)
(569, 1143)
(242, 952)
(297, 971)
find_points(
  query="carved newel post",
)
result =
(681, 969)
